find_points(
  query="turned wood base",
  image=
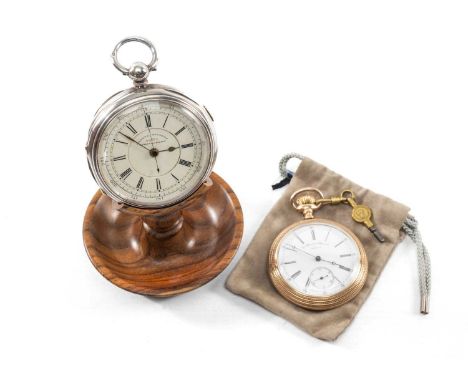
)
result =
(169, 251)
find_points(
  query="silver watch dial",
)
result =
(153, 153)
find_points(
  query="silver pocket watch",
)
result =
(150, 146)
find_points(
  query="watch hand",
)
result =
(320, 258)
(170, 149)
(301, 250)
(339, 265)
(157, 165)
(131, 139)
(153, 150)
(321, 278)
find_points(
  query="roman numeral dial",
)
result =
(130, 127)
(126, 173)
(180, 130)
(140, 183)
(184, 162)
(155, 153)
(148, 120)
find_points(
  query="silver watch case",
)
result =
(130, 97)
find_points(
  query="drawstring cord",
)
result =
(284, 172)
(410, 227)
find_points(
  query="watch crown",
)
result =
(138, 72)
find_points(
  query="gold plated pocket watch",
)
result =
(316, 263)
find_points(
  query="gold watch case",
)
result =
(308, 301)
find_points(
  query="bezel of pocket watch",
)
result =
(316, 263)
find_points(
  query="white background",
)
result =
(376, 90)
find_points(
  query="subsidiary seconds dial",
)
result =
(153, 154)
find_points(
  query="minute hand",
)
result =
(138, 143)
(327, 261)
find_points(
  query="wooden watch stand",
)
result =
(167, 251)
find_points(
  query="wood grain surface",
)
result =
(169, 251)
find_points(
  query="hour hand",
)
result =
(338, 265)
(169, 149)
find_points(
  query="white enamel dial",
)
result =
(153, 153)
(318, 259)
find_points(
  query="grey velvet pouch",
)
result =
(250, 277)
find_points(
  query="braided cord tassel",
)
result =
(284, 172)
(410, 226)
(284, 161)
